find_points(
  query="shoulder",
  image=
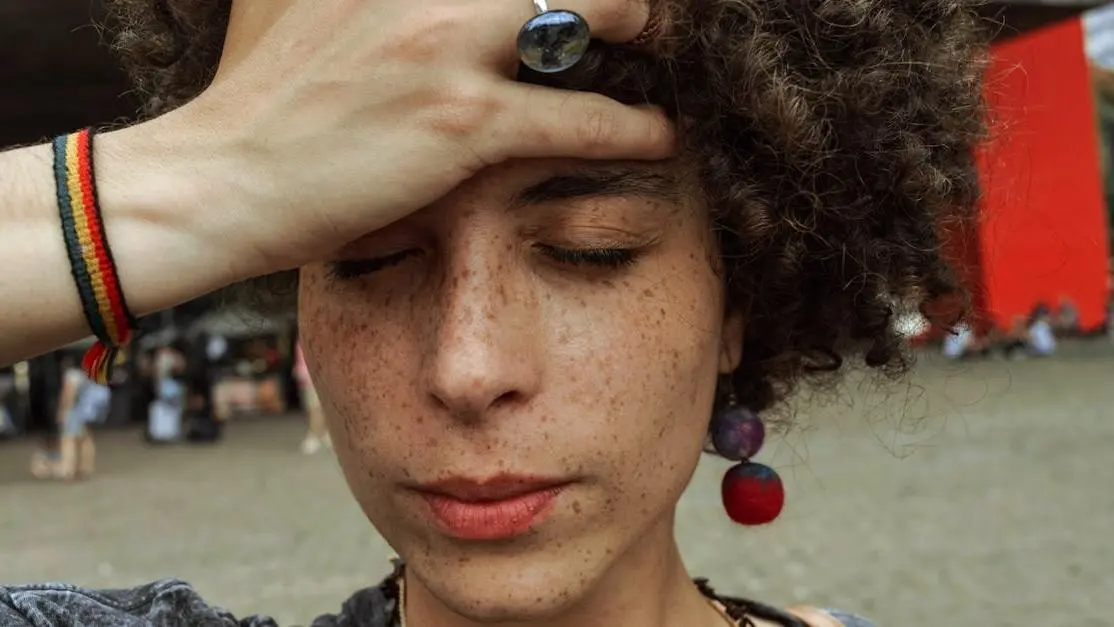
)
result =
(370, 607)
(168, 602)
(801, 616)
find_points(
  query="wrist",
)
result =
(166, 213)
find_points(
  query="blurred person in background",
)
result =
(962, 342)
(317, 434)
(7, 393)
(1014, 342)
(1109, 322)
(268, 376)
(45, 457)
(168, 365)
(200, 367)
(1066, 323)
(82, 403)
(1040, 338)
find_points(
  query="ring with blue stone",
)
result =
(553, 41)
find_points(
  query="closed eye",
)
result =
(347, 269)
(608, 258)
(600, 257)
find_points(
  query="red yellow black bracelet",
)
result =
(94, 270)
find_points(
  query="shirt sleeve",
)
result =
(166, 603)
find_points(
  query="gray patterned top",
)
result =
(165, 603)
(174, 603)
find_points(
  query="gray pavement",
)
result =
(972, 495)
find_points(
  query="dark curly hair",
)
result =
(834, 141)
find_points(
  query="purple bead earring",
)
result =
(752, 493)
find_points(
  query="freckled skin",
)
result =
(479, 356)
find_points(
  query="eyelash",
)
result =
(606, 258)
(609, 258)
(355, 268)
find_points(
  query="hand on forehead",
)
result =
(615, 21)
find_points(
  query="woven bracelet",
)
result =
(94, 271)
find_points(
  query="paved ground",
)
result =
(975, 495)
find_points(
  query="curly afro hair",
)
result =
(834, 140)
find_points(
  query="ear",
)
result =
(731, 342)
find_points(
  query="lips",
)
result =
(498, 488)
(497, 508)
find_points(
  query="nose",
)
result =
(484, 353)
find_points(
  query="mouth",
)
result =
(497, 508)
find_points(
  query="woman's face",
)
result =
(519, 378)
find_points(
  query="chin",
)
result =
(512, 587)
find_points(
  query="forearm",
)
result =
(154, 188)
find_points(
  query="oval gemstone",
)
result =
(738, 433)
(752, 494)
(553, 41)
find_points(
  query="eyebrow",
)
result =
(596, 182)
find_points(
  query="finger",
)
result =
(541, 122)
(616, 21)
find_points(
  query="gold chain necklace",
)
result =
(719, 607)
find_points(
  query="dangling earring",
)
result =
(752, 493)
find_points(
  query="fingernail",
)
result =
(849, 620)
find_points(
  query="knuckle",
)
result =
(597, 128)
(424, 38)
(465, 109)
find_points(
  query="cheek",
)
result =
(352, 371)
(657, 373)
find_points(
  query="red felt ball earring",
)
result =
(752, 493)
